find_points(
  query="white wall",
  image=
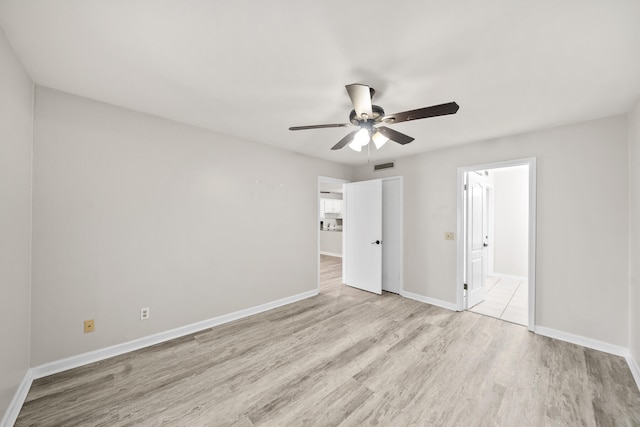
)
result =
(131, 210)
(16, 133)
(634, 231)
(511, 225)
(581, 222)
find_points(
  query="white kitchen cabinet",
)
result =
(330, 206)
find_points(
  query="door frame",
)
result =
(531, 267)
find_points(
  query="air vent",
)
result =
(383, 166)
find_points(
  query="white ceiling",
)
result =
(251, 69)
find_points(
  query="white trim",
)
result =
(118, 349)
(439, 303)
(331, 254)
(595, 345)
(582, 341)
(508, 276)
(460, 244)
(531, 162)
(531, 268)
(11, 415)
(634, 367)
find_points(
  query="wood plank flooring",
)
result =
(348, 358)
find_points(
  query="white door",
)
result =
(363, 235)
(392, 235)
(475, 239)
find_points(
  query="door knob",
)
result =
(485, 245)
(377, 242)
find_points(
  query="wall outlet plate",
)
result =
(448, 235)
(144, 313)
(89, 326)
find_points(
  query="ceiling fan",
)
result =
(367, 116)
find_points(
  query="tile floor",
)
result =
(506, 299)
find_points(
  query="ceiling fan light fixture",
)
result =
(379, 139)
(360, 139)
(367, 116)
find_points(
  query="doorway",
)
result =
(330, 240)
(496, 248)
(389, 249)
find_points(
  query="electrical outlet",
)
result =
(88, 326)
(448, 235)
(144, 313)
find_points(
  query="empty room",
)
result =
(241, 213)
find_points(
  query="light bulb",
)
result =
(355, 147)
(379, 139)
(361, 139)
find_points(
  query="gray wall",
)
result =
(634, 231)
(511, 212)
(582, 220)
(16, 133)
(131, 211)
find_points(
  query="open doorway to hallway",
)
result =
(496, 252)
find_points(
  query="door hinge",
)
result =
(465, 187)
(465, 287)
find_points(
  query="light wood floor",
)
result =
(348, 358)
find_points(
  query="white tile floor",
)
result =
(505, 299)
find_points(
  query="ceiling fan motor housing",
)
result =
(378, 113)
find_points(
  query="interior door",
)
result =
(475, 238)
(363, 235)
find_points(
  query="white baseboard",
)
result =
(116, 350)
(583, 341)
(596, 345)
(331, 254)
(432, 301)
(11, 415)
(635, 368)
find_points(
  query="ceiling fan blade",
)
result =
(333, 125)
(394, 135)
(361, 99)
(344, 141)
(422, 113)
